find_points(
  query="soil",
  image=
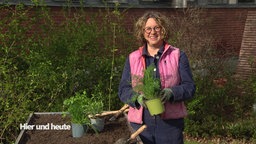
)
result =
(111, 133)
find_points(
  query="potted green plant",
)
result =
(96, 107)
(77, 107)
(150, 87)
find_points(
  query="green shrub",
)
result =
(40, 69)
(243, 129)
(215, 105)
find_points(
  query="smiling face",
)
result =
(152, 33)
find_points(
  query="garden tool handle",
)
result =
(114, 117)
(137, 132)
(126, 111)
(107, 113)
(121, 110)
(103, 114)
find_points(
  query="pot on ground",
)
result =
(78, 130)
(98, 123)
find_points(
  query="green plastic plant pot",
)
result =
(77, 130)
(155, 106)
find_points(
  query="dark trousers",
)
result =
(161, 131)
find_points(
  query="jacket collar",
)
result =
(160, 52)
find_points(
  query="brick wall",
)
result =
(227, 23)
(228, 26)
(247, 58)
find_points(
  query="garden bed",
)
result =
(57, 130)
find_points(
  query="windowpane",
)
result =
(155, 0)
(217, 1)
(246, 1)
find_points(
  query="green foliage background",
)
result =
(41, 68)
(43, 62)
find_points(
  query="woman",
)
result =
(173, 70)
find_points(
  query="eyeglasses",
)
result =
(149, 29)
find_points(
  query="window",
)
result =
(71, 1)
(246, 1)
(217, 1)
(225, 2)
(156, 1)
(115, 1)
